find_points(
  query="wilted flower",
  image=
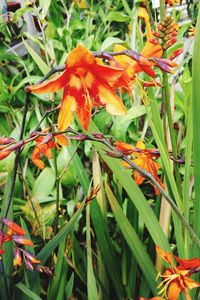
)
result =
(177, 279)
(86, 84)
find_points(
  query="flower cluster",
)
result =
(87, 84)
(16, 234)
(144, 159)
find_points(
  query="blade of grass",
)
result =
(27, 291)
(91, 282)
(196, 132)
(55, 283)
(133, 241)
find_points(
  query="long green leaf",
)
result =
(196, 132)
(27, 291)
(133, 241)
(91, 282)
(38, 60)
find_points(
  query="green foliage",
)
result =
(101, 248)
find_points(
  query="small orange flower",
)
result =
(44, 149)
(132, 67)
(172, 2)
(13, 228)
(143, 158)
(177, 279)
(86, 84)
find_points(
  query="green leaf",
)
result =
(117, 17)
(69, 287)
(196, 132)
(27, 291)
(38, 60)
(91, 282)
(44, 184)
(133, 241)
(110, 41)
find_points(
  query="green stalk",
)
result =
(166, 99)
(196, 132)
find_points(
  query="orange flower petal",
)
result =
(65, 116)
(22, 240)
(4, 154)
(80, 57)
(152, 50)
(142, 13)
(112, 101)
(36, 158)
(125, 148)
(13, 226)
(61, 140)
(185, 264)
(50, 86)
(174, 290)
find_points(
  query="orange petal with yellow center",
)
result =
(65, 116)
(80, 57)
(113, 102)
(50, 86)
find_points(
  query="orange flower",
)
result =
(172, 2)
(143, 158)
(86, 84)
(44, 149)
(13, 228)
(177, 279)
(132, 67)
